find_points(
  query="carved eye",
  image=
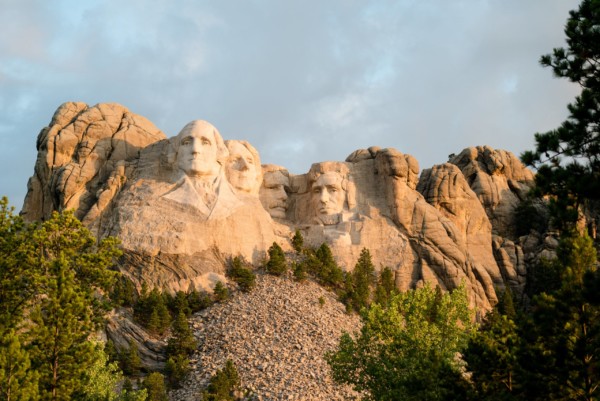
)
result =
(317, 190)
(332, 189)
(186, 141)
(205, 142)
(249, 161)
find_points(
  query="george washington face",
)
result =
(197, 152)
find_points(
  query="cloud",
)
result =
(302, 81)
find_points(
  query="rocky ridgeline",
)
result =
(276, 335)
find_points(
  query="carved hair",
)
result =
(318, 169)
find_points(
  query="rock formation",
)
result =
(181, 206)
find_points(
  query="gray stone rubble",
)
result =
(277, 336)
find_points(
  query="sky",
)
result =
(303, 81)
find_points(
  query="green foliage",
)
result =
(359, 287)
(568, 158)
(321, 301)
(180, 303)
(562, 333)
(123, 293)
(155, 386)
(198, 300)
(182, 340)
(276, 264)
(223, 384)
(17, 381)
(151, 311)
(220, 292)
(407, 351)
(241, 274)
(298, 241)
(386, 286)
(530, 215)
(299, 271)
(70, 267)
(103, 379)
(177, 367)
(329, 273)
(493, 353)
(131, 363)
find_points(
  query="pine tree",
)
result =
(330, 273)
(182, 340)
(154, 384)
(17, 380)
(276, 264)
(220, 292)
(385, 286)
(562, 336)
(223, 384)
(493, 353)
(298, 241)
(574, 180)
(362, 278)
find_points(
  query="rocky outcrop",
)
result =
(81, 151)
(277, 336)
(500, 181)
(182, 206)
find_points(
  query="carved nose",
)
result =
(281, 194)
(196, 145)
(324, 197)
(244, 165)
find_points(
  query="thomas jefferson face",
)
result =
(241, 168)
(197, 152)
(273, 195)
(327, 194)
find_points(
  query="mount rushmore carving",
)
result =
(181, 206)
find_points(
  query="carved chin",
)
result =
(278, 212)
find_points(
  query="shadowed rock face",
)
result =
(181, 206)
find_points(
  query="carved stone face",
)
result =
(273, 195)
(241, 168)
(197, 152)
(327, 194)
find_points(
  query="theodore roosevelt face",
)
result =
(273, 194)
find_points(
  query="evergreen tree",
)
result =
(330, 273)
(276, 264)
(17, 380)
(177, 367)
(131, 362)
(223, 384)
(362, 279)
(155, 386)
(182, 340)
(298, 241)
(241, 274)
(385, 286)
(562, 335)
(71, 267)
(493, 353)
(568, 158)
(220, 292)
(299, 271)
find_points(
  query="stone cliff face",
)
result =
(182, 205)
